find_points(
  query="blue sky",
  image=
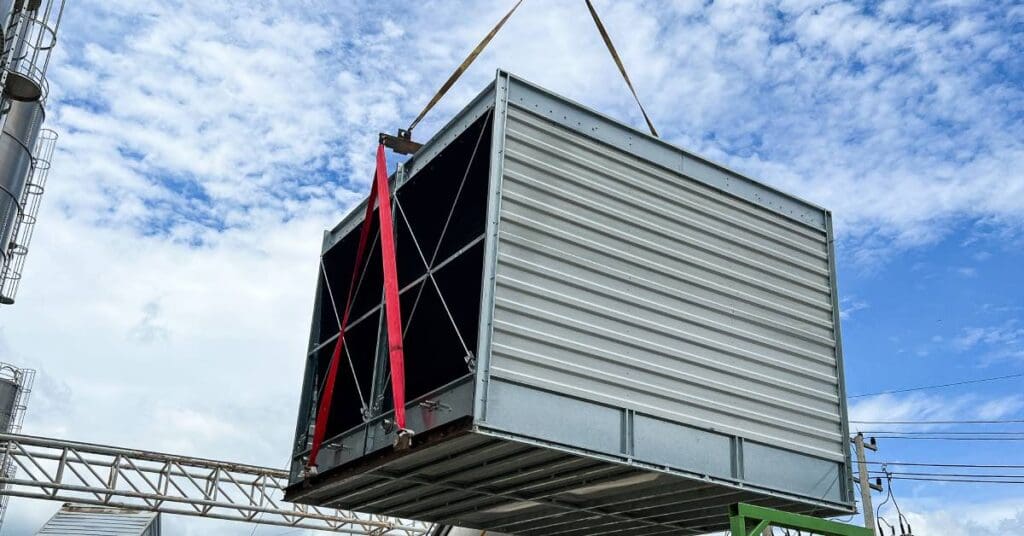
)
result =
(942, 314)
(204, 146)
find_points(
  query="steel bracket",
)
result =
(401, 143)
(749, 520)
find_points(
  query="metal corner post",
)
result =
(502, 81)
(848, 490)
(309, 374)
(750, 520)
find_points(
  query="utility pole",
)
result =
(865, 484)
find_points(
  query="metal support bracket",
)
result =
(403, 440)
(750, 520)
(401, 143)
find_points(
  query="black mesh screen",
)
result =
(434, 353)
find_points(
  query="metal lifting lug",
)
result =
(434, 405)
(309, 471)
(404, 439)
(401, 143)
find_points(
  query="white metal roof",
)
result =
(76, 520)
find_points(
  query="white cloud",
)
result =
(933, 515)
(874, 411)
(967, 271)
(993, 343)
(849, 305)
(1001, 407)
(149, 329)
(893, 106)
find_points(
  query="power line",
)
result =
(942, 432)
(956, 465)
(991, 421)
(952, 438)
(951, 475)
(972, 481)
(939, 386)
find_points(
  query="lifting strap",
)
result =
(618, 62)
(404, 137)
(463, 66)
(379, 190)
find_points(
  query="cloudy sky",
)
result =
(205, 146)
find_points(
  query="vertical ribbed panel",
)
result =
(94, 521)
(627, 284)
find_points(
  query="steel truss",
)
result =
(85, 473)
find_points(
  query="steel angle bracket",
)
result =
(401, 143)
(750, 520)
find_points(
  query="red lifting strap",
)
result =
(379, 190)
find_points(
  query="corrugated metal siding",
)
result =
(89, 521)
(625, 283)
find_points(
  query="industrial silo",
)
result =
(8, 402)
(15, 387)
(603, 334)
(29, 33)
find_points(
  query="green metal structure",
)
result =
(750, 520)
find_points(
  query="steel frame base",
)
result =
(750, 520)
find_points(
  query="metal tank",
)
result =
(604, 333)
(17, 136)
(29, 34)
(8, 401)
(15, 387)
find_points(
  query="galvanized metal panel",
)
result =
(73, 520)
(655, 150)
(625, 282)
(486, 480)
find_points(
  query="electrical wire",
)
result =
(896, 503)
(956, 465)
(888, 497)
(942, 432)
(962, 480)
(948, 438)
(951, 475)
(938, 386)
(988, 421)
